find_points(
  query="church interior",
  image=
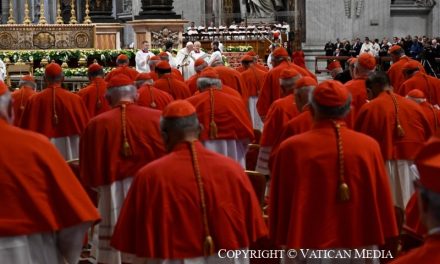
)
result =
(219, 131)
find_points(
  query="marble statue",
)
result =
(261, 8)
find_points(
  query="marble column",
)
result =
(157, 9)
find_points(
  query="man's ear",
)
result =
(369, 94)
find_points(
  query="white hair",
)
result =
(121, 91)
(203, 83)
(189, 43)
(33, 85)
(201, 67)
(417, 100)
(139, 83)
(290, 81)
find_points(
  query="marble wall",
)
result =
(326, 20)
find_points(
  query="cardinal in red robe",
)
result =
(93, 94)
(400, 127)
(432, 113)
(149, 95)
(395, 72)
(428, 193)
(303, 122)
(56, 113)
(208, 207)
(271, 89)
(114, 146)
(164, 56)
(45, 212)
(199, 65)
(227, 126)
(254, 79)
(280, 112)
(329, 188)
(122, 62)
(167, 83)
(256, 64)
(233, 79)
(417, 79)
(20, 97)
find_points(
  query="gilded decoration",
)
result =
(35, 37)
(158, 39)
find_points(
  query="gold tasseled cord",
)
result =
(212, 125)
(55, 116)
(208, 243)
(400, 130)
(343, 189)
(126, 149)
(153, 103)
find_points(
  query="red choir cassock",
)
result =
(325, 197)
(299, 59)
(20, 97)
(118, 142)
(55, 112)
(192, 81)
(233, 79)
(164, 56)
(253, 78)
(428, 164)
(257, 65)
(432, 113)
(271, 89)
(39, 191)
(150, 96)
(93, 94)
(167, 83)
(380, 120)
(280, 112)
(227, 112)
(395, 72)
(177, 186)
(357, 86)
(429, 85)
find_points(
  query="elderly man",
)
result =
(395, 72)
(165, 56)
(199, 65)
(337, 73)
(400, 127)
(197, 52)
(114, 146)
(150, 96)
(329, 188)
(122, 62)
(152, 64)
(167, 83)
(303, 122)
(271, 90)
(428, 196)
(45, 211)
(143, 57)
(232, 78)
(417, 79)
(254, 80)
(365, 65)
(189, 218)
(227, 127)
(185, 61)
(432, 113)
(56, 113)
(20, 97)
(93, 95)
(280, 112)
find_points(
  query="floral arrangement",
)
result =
(69, 72)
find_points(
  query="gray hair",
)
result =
(329, 111)
(139, 83)
(180, 124)
(54, 79)
(362, 71)
(201, 67)
(304, 89)
(203, 83)
(33, 85)
(121, 91)
(290, 81)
